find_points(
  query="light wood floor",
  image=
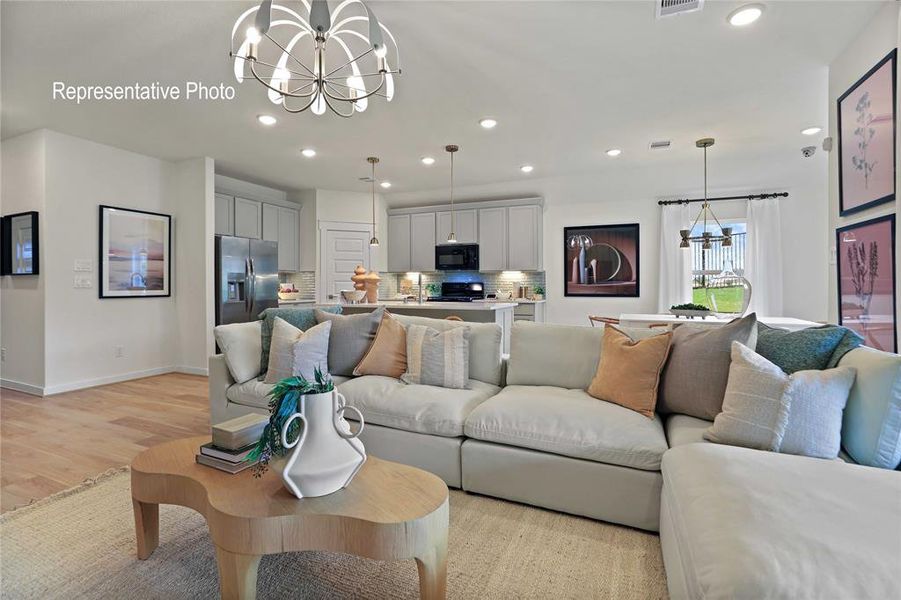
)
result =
(53, 443)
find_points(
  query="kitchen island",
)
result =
(474, 312)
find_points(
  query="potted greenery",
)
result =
(539, 293)
(433, 289)
(690, 310)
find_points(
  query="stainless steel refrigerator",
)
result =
(246, 278)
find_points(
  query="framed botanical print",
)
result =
(866, 139)
(866, 280)
(135, 253)
(601, 260)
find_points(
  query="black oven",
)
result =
(457, 257)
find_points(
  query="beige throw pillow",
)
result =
(437, 358)
(629, 372)
(388, 353)
(295, 352)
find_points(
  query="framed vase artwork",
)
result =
(601, 260)
(866, 139)
(20, 251)
(135, 253)
(866, 281)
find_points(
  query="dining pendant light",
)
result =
(706, 239)
(372, 160)
(452, 236)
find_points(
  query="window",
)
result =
(707, 264)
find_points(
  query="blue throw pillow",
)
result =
(814, 348)
(302, 318)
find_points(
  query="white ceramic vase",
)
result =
(327, 454)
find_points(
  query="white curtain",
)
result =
(675, 262)
(763, 257)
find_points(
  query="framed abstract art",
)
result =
(865, 257)
(601, 260)
(866, 139)
(135, 260)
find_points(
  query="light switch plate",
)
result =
(832, 255)
(82, 282)
(84, 265)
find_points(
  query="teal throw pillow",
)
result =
(302, 318)
(814, 348)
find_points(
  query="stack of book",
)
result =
(232, 441)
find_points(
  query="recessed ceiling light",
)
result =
(526, 168)
(308, 152)
(811, 130)
(427, 161)
(385, 184)
(614, 152)
(267, 119)
(745, 15)
(488, 123)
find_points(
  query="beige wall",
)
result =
(872, 44)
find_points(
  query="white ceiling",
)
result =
(566, 80)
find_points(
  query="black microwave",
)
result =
(457, 257)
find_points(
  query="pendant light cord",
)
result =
(453, 214)
(373, 198)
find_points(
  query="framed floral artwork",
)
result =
(135, 259)
(601, 260)
(866, 139)
(866, 281)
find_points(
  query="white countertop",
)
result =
(782, 322)
(455, 306)
(298, 301)
(516, 300)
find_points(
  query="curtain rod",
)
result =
(748, 197)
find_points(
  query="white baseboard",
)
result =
(193, 371)
(26, 388)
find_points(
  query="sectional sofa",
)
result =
(733, 522)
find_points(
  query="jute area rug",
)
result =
(80, 544)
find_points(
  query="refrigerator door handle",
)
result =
(253, 286)
(247, 285)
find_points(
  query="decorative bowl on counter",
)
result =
(353, 296)
(289, 295)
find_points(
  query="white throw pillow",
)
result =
(297, 352)
(241, 345)
(766, 409)
(437, 358)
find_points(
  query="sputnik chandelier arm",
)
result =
(706, 238)
(325, 60)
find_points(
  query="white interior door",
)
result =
(343, 251)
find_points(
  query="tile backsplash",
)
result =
(502, 283)
(304, 281)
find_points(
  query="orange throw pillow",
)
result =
(629, 372)
(387, 355)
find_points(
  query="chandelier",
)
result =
(706, 238)
(314, 59)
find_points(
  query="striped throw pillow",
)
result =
(437, 358)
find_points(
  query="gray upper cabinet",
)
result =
(466, 226)
(248, 218)
(422, 242)
(288, 238)
(524, 238)
(398, 243)
(492, 239)
(225, 215)
(270, 222)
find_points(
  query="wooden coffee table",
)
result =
(388, 512)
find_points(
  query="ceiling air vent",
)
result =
(660, 145)
(668, 8)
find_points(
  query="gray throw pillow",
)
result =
(695, 376)
(766, 409)
(811, 348)
(437, 358)
(350, 338)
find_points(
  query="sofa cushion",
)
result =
(388, 353)
(571, 364)
(350, 338)
(695, 376)
(417, 408)
(437, 357)
(806, 349)
(302, 318)
(295, 352)
(240, 343)
(570, 423)
(255, 392)
(871, 428)
(682, 429)
(752, 524)
(484, 345)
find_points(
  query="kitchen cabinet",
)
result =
(399, 243)
(248, 218)
(288, 239)
(493, 239)
(225, 215)
(466, 228)
(529, 311)
(422, 242)
(270, 223)
(524, 238)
